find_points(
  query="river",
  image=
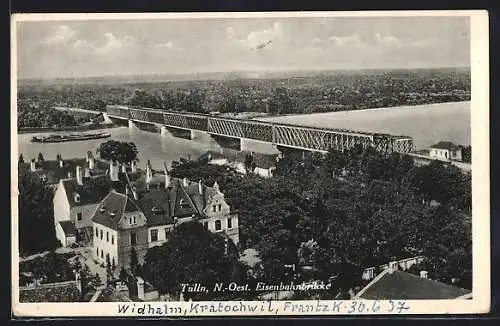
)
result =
(427, 124)
(151, 146)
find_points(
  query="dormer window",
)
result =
(113, 213)
(76, 196)
(102, 209)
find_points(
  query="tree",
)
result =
(193, 255)
(134, 262)
(109, 272)
(36, 217)
(121, 152)
(21, 159)
(40, 157)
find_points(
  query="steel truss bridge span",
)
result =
(280, 134)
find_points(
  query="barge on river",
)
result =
(70, 137)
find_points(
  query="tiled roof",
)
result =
(159, 204)
(88, 193)
(111, 209)
(56, 292)
(68, 227)
(445, 145)
(155, 205)
(54, 172)
(406, 286)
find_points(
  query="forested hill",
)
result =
(275, 94)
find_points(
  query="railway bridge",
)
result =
(278, 134)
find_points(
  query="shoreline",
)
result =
(35, 130)
(359, 110)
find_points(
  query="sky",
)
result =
(72, 49)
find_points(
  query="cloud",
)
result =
(351, 40)
(169, 45)
(424, 42)
(388, 41)
(255, 39)
(62, 35)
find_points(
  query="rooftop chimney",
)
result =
(424, 274)
(149, 172)
(79, 178)
(185, 182)
(87, 173)
(33, 165)
(124, 168)
(133, 168)
(113, 171)
(200, 187)
(61, 163)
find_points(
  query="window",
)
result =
(112, 239)
(214, 208)
(167, 231)
(219, 207)
(154, 235)
(135, 220)
(218, 225)
(79, 216)
(96, 232)
(229, 223)
(107, 236)
(97, 251)
(101, 234)
(133, 239)
(102, 254)
(205, 225)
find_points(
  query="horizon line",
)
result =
(241, 72)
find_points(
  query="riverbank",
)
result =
(68, 128)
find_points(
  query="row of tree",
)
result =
(359, 208)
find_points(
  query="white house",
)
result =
(446, 151)
(66, 233)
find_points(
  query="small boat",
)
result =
(70, 137)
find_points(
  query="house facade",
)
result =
(149, 211)
(446, 151)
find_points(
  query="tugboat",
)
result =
(70, 137)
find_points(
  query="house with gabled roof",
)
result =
(445, 150)
(150, 209)
(76, 198)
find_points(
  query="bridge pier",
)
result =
(106, 118)
(131, 124)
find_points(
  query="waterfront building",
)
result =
(445, 150)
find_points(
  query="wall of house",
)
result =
(126, 228)
(87, 213)
(61, 205)
(108, 244)
(163, 231)
(60, 235)
(442, 154)
(232, 232)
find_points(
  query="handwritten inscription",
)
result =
(266, 308)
